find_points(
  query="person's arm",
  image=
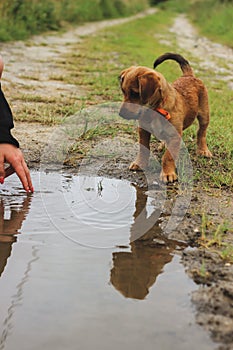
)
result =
(6, 122)
(9, 146)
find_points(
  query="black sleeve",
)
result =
(6, 122)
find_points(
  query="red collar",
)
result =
(164, 113)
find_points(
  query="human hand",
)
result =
(14, 156)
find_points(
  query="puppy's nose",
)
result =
(124, 112)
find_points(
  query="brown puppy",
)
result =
(180, 103)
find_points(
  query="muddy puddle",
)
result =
(73, 277)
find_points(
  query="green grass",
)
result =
(214, 237)
(47, 111)
(22, 18)
(214, 18)
(218, 170)
(103, 56)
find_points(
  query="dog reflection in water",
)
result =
(134, 272)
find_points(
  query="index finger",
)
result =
(22, 171)
(28, 176)
(2, 171)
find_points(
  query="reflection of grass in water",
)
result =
(100, 188)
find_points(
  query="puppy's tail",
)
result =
(184, 64)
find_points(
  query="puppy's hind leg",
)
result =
(141, 161)
(202, 148)
(203, 119)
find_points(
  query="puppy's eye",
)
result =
(134, 94)
(120, 78)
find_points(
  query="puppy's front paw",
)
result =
(204, 153)
(139, 164)
(135, 167)
(168, 176)
(161, 146)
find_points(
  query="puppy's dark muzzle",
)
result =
(127, 112)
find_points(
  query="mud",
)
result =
(29, 65)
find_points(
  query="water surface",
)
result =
(73, 277)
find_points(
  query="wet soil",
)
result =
(29, 65)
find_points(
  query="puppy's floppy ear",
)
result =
(121, 76)
(124, 72)
(148, 84)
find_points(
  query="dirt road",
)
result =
(30, 67)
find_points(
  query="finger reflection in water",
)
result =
(11, 219)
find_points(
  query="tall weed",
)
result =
(21, 18)
(214, 18)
